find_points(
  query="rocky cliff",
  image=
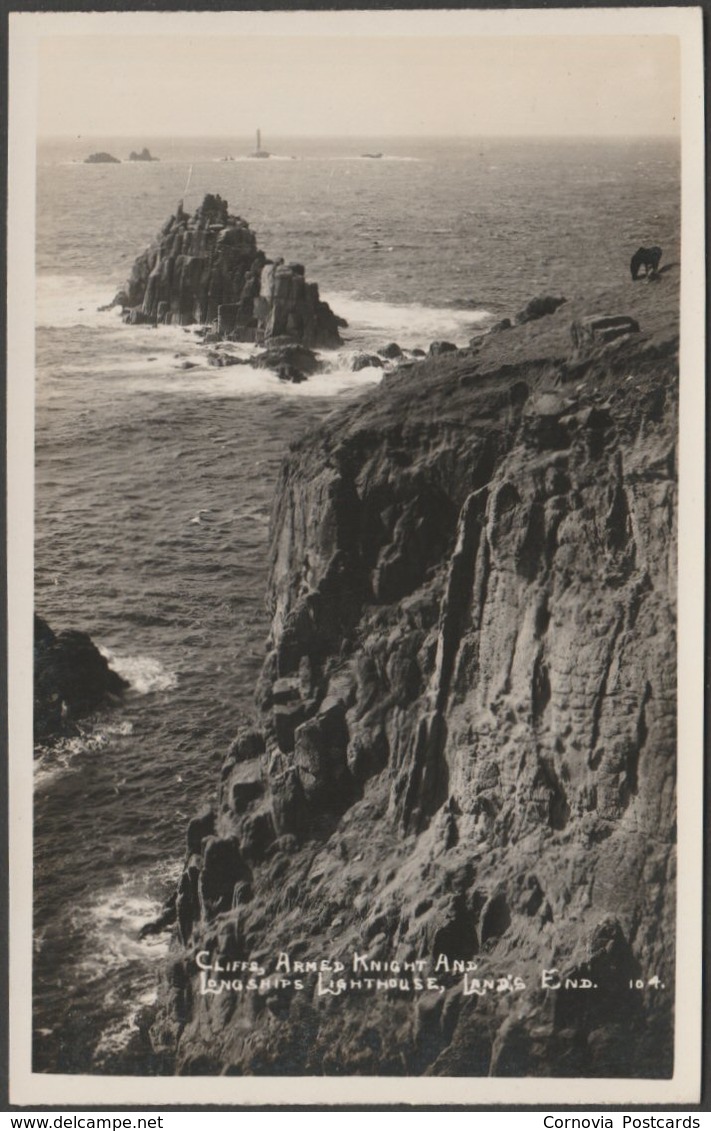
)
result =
(207, 268)
(464, 764)
(71, 679)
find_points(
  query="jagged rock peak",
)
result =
(207, 268)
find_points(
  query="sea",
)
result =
(155, 472)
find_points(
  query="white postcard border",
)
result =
(28, 1088)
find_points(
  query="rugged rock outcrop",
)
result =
(464, 767)
(71, 679)
(595, 329)
(537, 307)
(439, 347)
(144, 155)
(207, 268)
(365, 361)
(391, 351)
(280, 354)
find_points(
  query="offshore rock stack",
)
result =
(71, 679)
(465, 751)
(207, 268)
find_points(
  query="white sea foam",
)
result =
(117, 1035)
(111, 925)
(167, 359)
(334, 382)
(143, 673)
(115, 956)
(60, 758)
(122, 729)
(373, 323)
(341, 363)
(49, 766)
(243, 381)
(73, 300)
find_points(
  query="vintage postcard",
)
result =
(356, 403)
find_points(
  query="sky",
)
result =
(199, 84)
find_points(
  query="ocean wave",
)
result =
(63, 756)
(122, 729)
(50, 765)
(117, 1036)
(124, 353)
(335, 381)
(244, 381)
(59, 759)
(115, 958)
(144, 674)
(111, 924)
(62, 301)
(112, 964)
(374, 323)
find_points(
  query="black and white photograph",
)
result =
(356, 556)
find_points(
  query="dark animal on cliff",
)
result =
(647, 257)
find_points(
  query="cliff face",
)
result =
(207, 268)
(466, 751)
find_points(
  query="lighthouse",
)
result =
(259, 152)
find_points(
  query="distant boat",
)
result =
(259, 152)
(373, 155)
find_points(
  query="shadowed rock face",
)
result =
(207, 268)
(538, 307)
(467, 735)
(71, 679)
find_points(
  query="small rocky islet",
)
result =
(72, 679)
(142, 155)
(463, 748)
(102, 158)
(206, 268)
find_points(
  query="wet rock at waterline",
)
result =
(71, 679)
(440, 347)
(365, 361)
